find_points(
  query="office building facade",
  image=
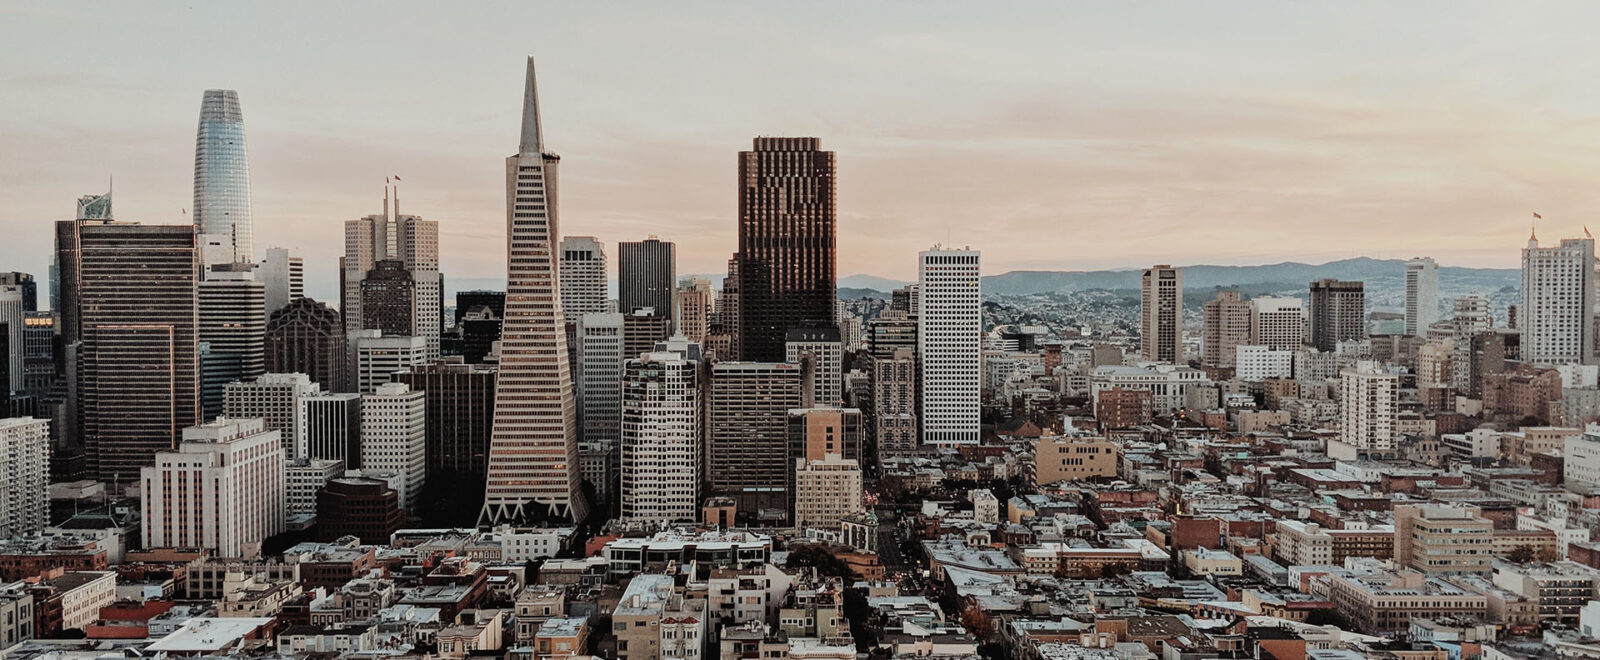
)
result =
(1161, 315)
(130, 310)
(787, 270)
(222, 175)
(950, 346)
(533, 457)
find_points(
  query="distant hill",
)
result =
(1289, 275)
(852, 293)
(870, 282)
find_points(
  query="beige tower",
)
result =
(533, 452)
(1161, 308)
(1225, 327)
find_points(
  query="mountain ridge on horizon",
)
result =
(1380, 272)
(1202, 276)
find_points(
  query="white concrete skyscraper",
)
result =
(533, 453)
(222, 173)
(583, 277)
(1558, 296)
(661, 438)
(394, 437)
(1422, 295)
(950, 345)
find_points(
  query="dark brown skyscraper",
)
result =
(128, 304)
(308, 337)
(389, 299)
(647, 273)
(787, 230)
(1338, 313)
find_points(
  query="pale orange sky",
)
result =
(1051, 137)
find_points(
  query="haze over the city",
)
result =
(1049, 136)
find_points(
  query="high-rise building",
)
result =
(890, 332)
(466, 301)
(414, 243)
(233, 321)
(389, 300)
(583, 277)
(276, 400)
(24, 476)
(330, 427)
(787, 242)
(818, 432)
(1277, 323)
(41, 358)
(692, 309)
(460, 402)
(661, 438)
(303, 479)
(378, 357)
(1369, 410)
(222, 174)
(533, 457)
(26, 284)
(12, 330)
(905, 299)
(826, 491)
(950, 346)
(1225, 325)
(1471, 318)
(820, 346)
(128, 294)
(1422, 295)
(308, 337)
(1161, 314)
(647, 274)
(1558, 298)
(747, 433)
(284, 277)
(1338, 313)
(394, 438)
(725, 327)
(642, 329)
(894, 401)
(478, 317)
(221, 490)
(599, 383)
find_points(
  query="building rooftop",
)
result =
(208, 634)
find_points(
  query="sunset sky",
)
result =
(1049, 135)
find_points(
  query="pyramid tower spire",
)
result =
(532, 131)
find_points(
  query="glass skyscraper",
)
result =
(222, 173)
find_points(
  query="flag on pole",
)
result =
(1536, 215)
(396, 177)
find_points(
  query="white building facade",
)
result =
(950, 345)
(1556, 315)
(661, 438)
(222, 489)
(394, 437)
